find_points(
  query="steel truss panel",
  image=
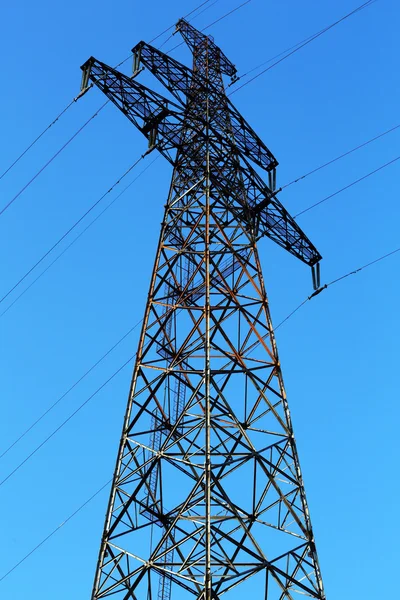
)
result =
(207, 497)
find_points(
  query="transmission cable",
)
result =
(323, 288)
(202, 11)
(40, 135)
(226, 15)
(77, 238)
(52, 158)
(72, 387)
(347, 187)
(44, 540)
(269, 60)
(38, 262)
(305, 43)
(334, 281)
(330, 162)
(75, 412)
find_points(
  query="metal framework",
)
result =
(207, 495)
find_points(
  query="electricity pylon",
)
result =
(207, 495)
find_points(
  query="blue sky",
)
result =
(339, 353)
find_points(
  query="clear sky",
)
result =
(339, 354)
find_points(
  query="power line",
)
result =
(75, 412)
(330, 162)
(269, 60)
(51, 159)
(72, 387)
(38, 262)
(346, 187)
(305, 43)
(366, 266)
(197, 8)
(77, 238)
(39, 136)
(226, 15)
(203, 11)
(44, 540)
(334, 281)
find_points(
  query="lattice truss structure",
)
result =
(207, 496)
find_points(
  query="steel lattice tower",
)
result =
(207, 495)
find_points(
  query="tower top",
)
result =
(196, 40)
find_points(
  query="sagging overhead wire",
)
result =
(249, 351)
(69, 390)
(52, 158)
(58, 242)
(226, 15)
(71, 416)
(77, 237)
(202, 11)
(302, 45)
(333, 160)
(346, 187)
(41, 135)
(64, 522)
(334, 281)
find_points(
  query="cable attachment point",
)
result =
(318, 291)
(83, 92)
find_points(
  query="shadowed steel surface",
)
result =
(207, 497)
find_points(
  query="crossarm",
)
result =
(275, 222)
(263, 211)
(159, 119)
(180, 80)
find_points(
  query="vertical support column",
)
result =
(208, 579)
